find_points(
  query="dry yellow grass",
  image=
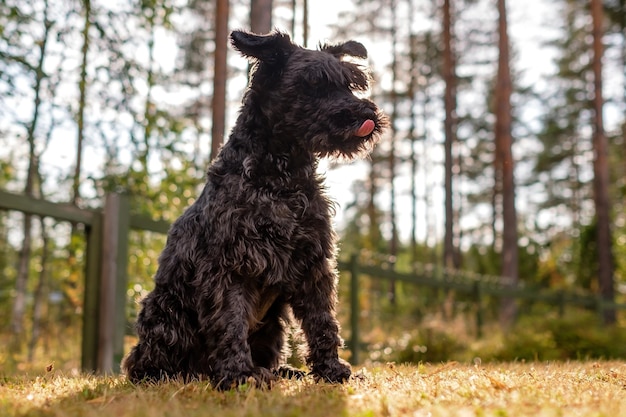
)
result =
(516, 389)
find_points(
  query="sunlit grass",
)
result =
(452, 389)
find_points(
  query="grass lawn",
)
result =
(452, 389)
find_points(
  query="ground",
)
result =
(451, 389)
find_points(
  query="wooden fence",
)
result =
(106, 272)
(478, 287)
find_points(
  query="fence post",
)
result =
(112, 321)
(599, 307)
(479, 309)
(562, 303)
(355, 310)
(91, 306)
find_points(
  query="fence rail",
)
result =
(106, 269)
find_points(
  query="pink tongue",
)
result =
(366, 128)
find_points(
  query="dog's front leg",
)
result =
(315, 308)
(225, 325)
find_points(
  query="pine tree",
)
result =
(451, 260)
(601, 170)
(219, 76)
(505, 165)
(36, 71)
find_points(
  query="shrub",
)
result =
(526, 343)
(575, 336)
(430, 345)
(582, 336)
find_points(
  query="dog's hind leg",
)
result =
(225, 327)
(166, 341)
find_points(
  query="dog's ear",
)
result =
(271, 48)
(351, 48)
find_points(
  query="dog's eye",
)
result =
(315, 86)
(317, 82)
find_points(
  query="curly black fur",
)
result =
(258, 242)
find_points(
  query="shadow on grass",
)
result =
(114, 396)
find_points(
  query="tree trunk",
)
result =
(149, 108)
(504, 142)
(431, 229)
(219, 77)
(305, 22)
(449, 76)
(393, 242)
(374, 235)
(260, 16)
(19, 303)
(73, 264)
(82, 89)
(622, 5)
(39, 296)
(601, 171)
(622, 25)
(412, 136)
(294, 17)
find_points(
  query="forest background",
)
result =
(505, 157)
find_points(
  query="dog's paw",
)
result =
(261, 378)
(288, 372)
(336, 371)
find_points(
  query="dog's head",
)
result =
(311, 97)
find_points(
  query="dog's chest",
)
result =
(294, 213)
(267, 298)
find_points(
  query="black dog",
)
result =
(258, 241)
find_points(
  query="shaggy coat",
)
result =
(258, 241)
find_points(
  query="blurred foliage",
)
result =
(61, 317)
(430, 345)
(579, 335)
